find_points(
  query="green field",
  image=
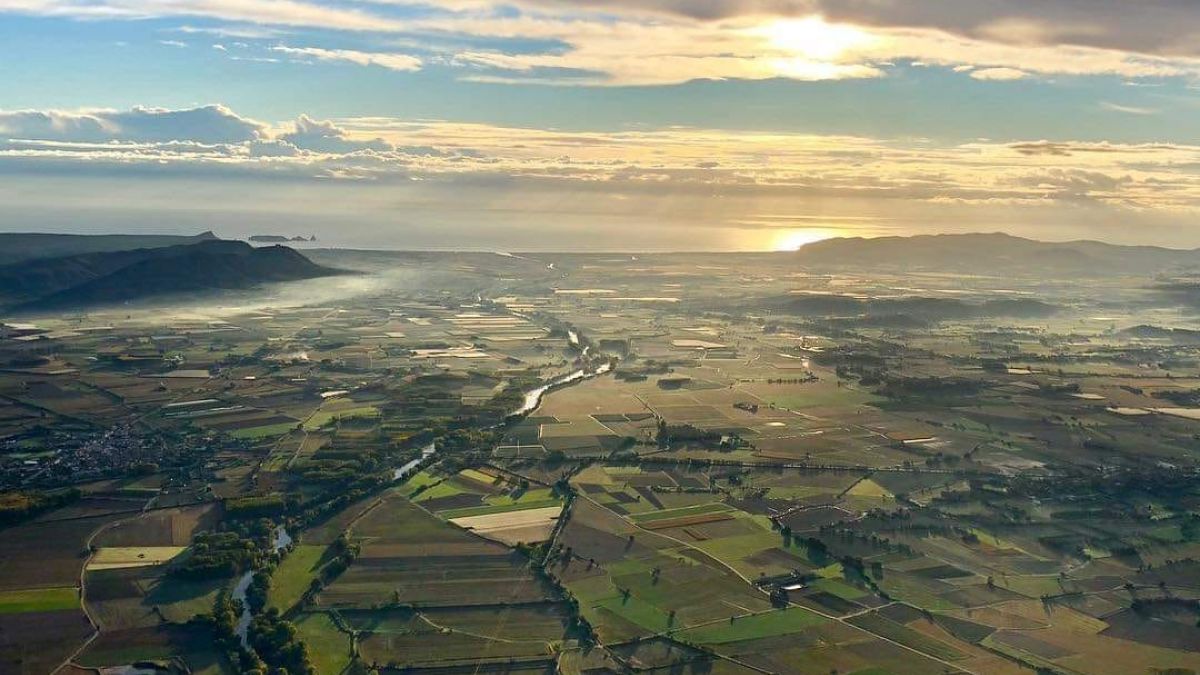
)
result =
(906, 636)
(293, 576)
(736, 548)
(770, 624)
(324, 417)
(420, 479)
(638, 612)
(840, 589)
(446, 488)
(667, 514)
(38, 600)
(255, 433)
(328, 647)
(178, 600)
(532, 495)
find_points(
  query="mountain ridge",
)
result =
(18, 246)
(995, 253)
(121, 276)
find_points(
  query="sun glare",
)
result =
(790, 240)
(815, 39)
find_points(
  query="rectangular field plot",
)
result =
(409, 556)
(769, 624)
(38, 600)
(144, 596)
(37, 641)
(294, 574)
(632, 582)
(328, 647)
(40, 555)
(157, 643)
(446, 636)
(121, 557)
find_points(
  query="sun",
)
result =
(814, 39)
(791, 240)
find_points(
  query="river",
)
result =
(573, 337)
(426, 452)
(533, 398)
(282, 540)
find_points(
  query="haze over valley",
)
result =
(567, 337)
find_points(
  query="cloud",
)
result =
(701, 164)
(999, 74)
(1067, 148)
(662, 42)
(498, 179)
(259, 12)
(325, 136)
(1158, 27)
(621, 49)
(1127, 109)
(206, 124)
(401, 62)
(240, 32)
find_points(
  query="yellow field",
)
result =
(122, 557)
(869, 488)
(528, 526)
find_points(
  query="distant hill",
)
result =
(1176, 335)
(17, 246)
(995, 254)
(279, 238)
(122, 276)
(913, 310)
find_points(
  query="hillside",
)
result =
(17, 246)
(996, 254)
(923, 308)
(122, 276)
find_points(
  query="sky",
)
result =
(602, 124)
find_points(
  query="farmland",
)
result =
(734, 485)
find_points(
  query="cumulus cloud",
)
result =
(206, 124)
(704, 164)
(450, 172)
(325, 136)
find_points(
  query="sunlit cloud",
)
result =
(663, 42)
(999, 74)
(402, 62)
(742, 189)
(686, 161)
